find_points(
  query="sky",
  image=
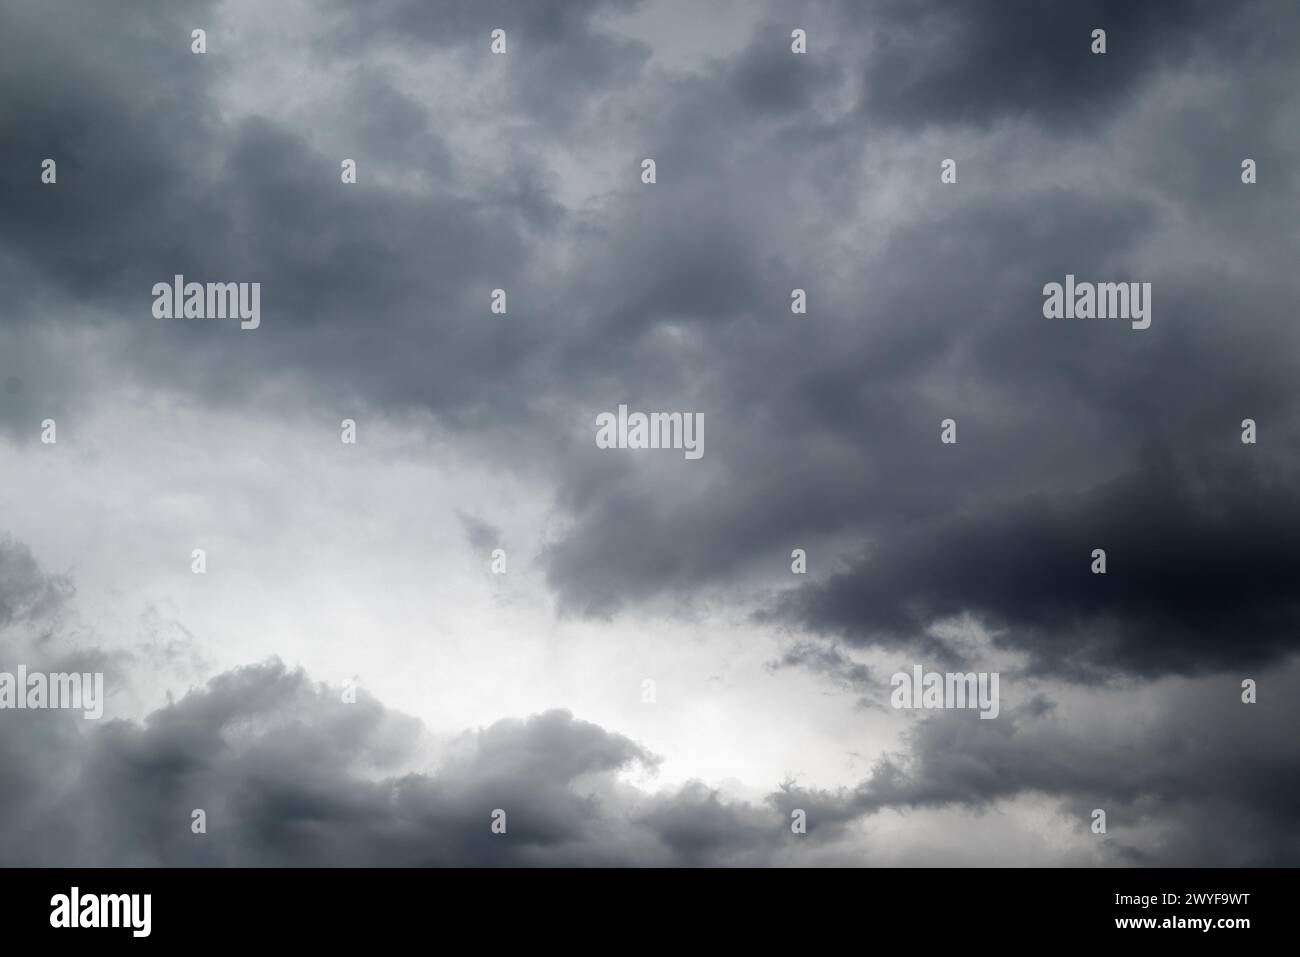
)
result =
(353, 679)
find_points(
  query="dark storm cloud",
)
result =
(844, 433)
(820, 431)
(830, 428)
(1200, 575)
(124, 178)
(557, 57)
(936, 63)
(368, 287)
(289, 774)
(1217, 777)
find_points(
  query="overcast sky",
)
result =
(330, 563)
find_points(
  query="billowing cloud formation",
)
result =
(1208, 775)
(288, 773)
(1199, 576)
(939, 63)
(775, 171)
(291, 772)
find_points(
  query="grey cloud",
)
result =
(28, 594)
(821, 432)
(837, 667)
(1217, 775)
(1199, 576)
(481, 535)
(288, 773)
(937, 63)
(558, 56)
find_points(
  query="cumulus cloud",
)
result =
(776, 172)
(294, 772)
(288, 773)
